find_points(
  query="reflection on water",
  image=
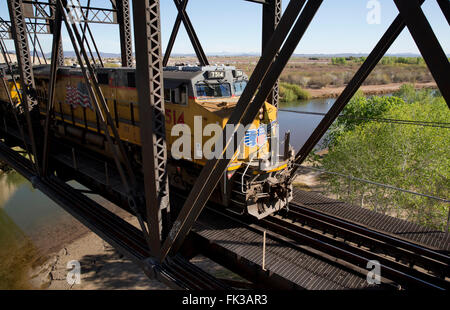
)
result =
(302, 125)
(23, 212)
(16, 254)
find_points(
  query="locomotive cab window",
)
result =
(239, 87)
(103, 78)
(213, 90)
(131, 79)
(177, 95)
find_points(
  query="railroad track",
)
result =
(405, 263)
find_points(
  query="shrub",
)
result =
(291, 92)
(358, 111)
(338, 61)
(405, 156)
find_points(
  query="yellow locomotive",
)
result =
(256, 180)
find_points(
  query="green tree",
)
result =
(410, 157)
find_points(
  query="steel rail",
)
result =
(298, 236)
(394, 271)
(400, 249)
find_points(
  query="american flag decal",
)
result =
(78, 96)
(255, 137)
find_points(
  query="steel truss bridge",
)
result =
(319, 244)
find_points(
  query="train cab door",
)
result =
(176, 104)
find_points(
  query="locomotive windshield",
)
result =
(239, 87)
(213, 90)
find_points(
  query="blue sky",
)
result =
(234, 26)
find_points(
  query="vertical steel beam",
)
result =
(428, 44)
(271, 15)
(52, 30)
(265, 75)
(55, 63)
(191, 33)
(355, 83)
(149, 81)
(123, 18)
(19, 34)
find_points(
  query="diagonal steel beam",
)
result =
(428, 44)
(99, 102)
(173, 35)
(8, 62)
(360, 76)
(445, 7)
(191, 33)
(265, 75)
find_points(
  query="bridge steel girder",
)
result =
(19, 34)
(270, 18)
(261, 82)
(123, 19)
(427, 42)
(52, 30)
(445, 7)
(173, 35)
(184, 17)
(149, 82)
(56, 62)
(392, 33)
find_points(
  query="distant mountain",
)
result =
(251, 54)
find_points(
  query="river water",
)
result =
(302, 125)
(31, 225)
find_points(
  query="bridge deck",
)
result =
(384, 223)
(295, 263)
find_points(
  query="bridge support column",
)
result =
(270, 18)
(149, 82)
(19, 34)
(123, 18)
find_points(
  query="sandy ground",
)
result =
(102, 267)
(327, 92)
